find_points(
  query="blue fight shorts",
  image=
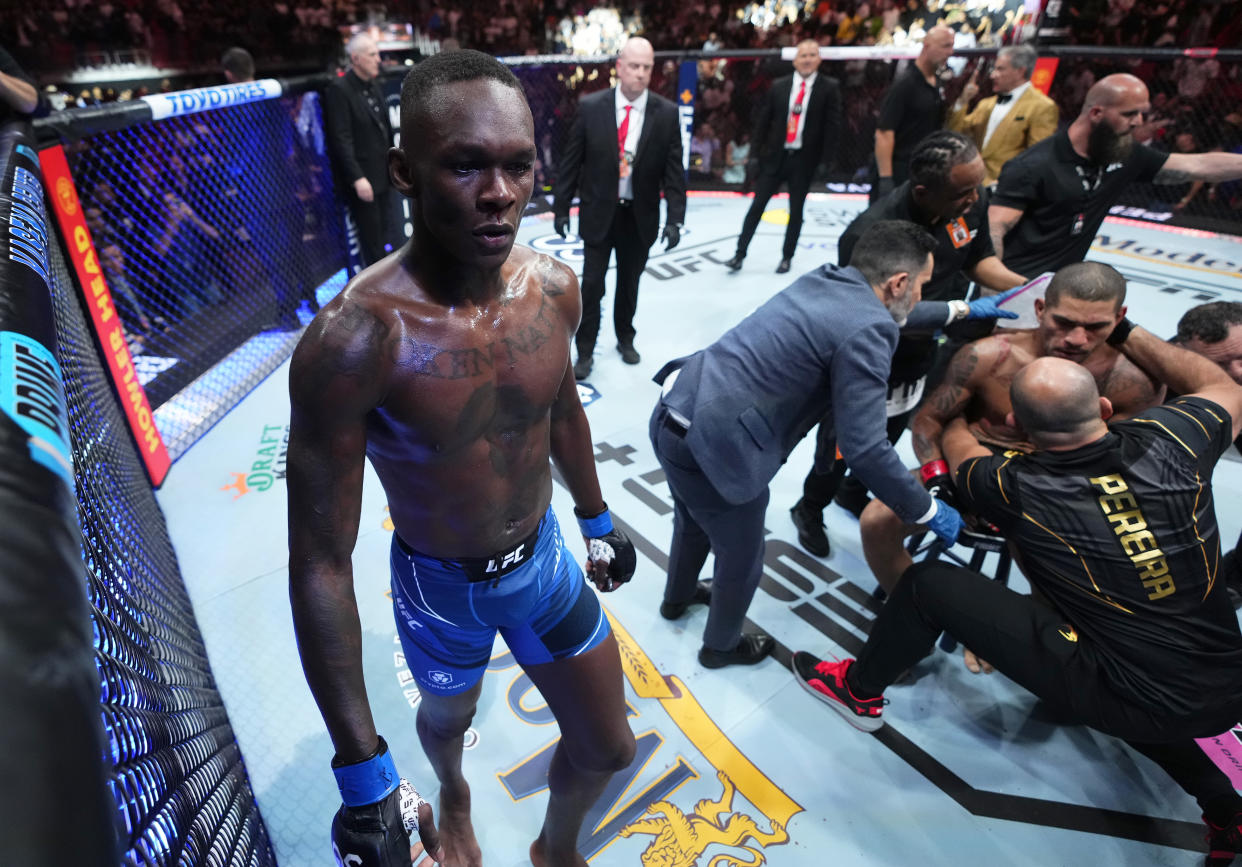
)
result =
(448, 611)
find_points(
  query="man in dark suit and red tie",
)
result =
(624, 150)
(796, 126)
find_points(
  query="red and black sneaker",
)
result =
(826, 681)
(1224, 842)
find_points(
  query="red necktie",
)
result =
(791, 128)
(623, 131)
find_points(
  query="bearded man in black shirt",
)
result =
(1115, 528)
(1051, 200)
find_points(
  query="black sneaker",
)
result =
(1224, 843)
(825, 680)
(628, 353)
(810, 524)
(582, 368)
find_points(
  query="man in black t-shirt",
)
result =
(944, 196)
(913, 107)
(1051, 200)
(1115, 528)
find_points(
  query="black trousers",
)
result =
(705, 522)
(372, 221)
(1026, 640)
(827, 473)
(914, 358)
(631, 260)
(791, 169)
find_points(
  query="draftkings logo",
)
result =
(268, 465)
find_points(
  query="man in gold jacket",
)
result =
(1015, 117)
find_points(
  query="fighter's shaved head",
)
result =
(1055, 400)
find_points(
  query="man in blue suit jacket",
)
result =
(730, 415)
(618, 179)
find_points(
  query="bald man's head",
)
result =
(1115, 106)
(1114, 90)
(806, 60)
(937, 46)
(1055, 401)
(634, 65)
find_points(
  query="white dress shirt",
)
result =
(1000, 112)
(796, 144)
(637, 113)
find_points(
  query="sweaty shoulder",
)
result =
(346, 344)
(549, 276)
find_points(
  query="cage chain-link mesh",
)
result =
(213, 231)
(181, 789)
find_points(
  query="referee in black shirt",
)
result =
(912, 108)
(1115, 528)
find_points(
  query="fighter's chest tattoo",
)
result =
(428, 358)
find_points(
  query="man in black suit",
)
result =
(623, 150)
(358, 138)
(796, 125)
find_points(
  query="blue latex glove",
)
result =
(946, 523)
(989, 307)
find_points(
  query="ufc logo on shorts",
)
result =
(511, 559)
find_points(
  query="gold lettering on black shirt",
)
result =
(1123, 514)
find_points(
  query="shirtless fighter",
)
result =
(1082, 305)
(447, 365)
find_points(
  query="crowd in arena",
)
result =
(57, 36)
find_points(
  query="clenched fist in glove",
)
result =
(936, 481)
(380, 811)
(610, 554)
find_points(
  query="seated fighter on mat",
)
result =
(1132, 633)
(447, 365)
(1081, 306)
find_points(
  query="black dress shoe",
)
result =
(735, 264)
(674, 610)
(783, 267)
(751, 649)
(628, 353)
(810, 524)
(582, 367)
